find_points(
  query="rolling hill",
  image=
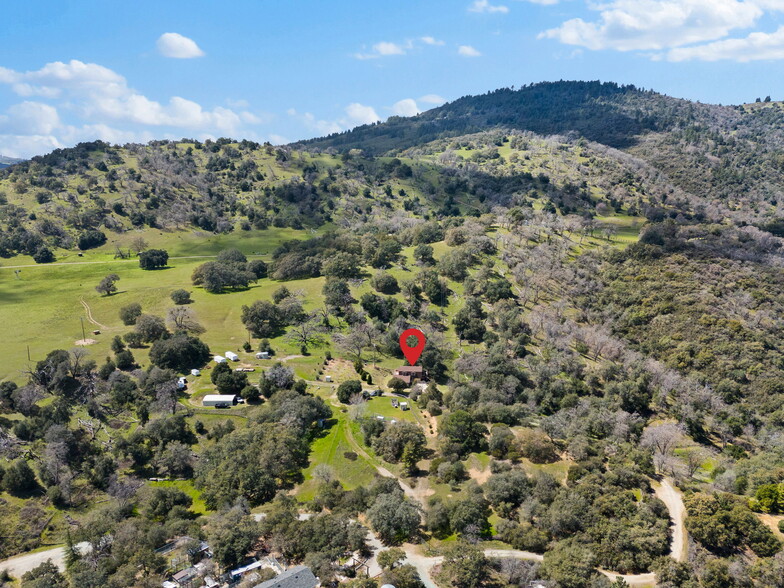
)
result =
(728, 157)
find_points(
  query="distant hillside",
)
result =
(607, 113)
(6, 161)
(730, 155)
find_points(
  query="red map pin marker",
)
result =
(412, 353)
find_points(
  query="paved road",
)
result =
(20, 564)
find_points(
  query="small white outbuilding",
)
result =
(232, 356)
(195, 372)
(219, 359)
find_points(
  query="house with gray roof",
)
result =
(296, 577)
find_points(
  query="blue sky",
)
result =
(285, 70)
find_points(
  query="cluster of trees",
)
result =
(231, 270)
(768, 498)
(724, 525)
(153, 259)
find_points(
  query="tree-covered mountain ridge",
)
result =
(726, 156)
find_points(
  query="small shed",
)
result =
(219, 359)
(219, 400)
(404, 406)
(327, 378)
(195, 372)
(232, 356)
(263, 355)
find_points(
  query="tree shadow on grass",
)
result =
(325, 430)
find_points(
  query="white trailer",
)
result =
(219, 359)
(219, 400)
(232, 356)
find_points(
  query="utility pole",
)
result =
(84, 337)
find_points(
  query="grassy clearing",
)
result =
(331, 448)
(186, 486)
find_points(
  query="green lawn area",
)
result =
(186, 486)
(331, 449)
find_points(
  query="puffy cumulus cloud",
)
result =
(484, 6)
(52, 79)
(355, 114)
(178, 46)
(85, 101)
(359, 114)
(427, 40)
(643, 25)
(405, 107)
(467, 51)
(754, 47)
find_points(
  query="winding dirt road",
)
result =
(671, 497)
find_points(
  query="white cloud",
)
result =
(387, 48)
(90, 101)
(484, 6)
(278, 139)
(642, 25)
(432, 99)
(177, 46)
(32, 118)
(25, 146)
(468, 51)
(756, 46)
(359, 114)
(405, 107)
(325, 127)
(355, 114)
(544, 2)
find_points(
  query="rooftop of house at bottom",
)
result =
(296, 577)
(408, 372)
